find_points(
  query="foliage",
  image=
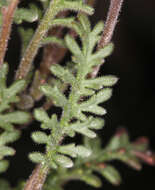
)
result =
(84, 59)
(71, 87)
(85, 169)
(8, 119)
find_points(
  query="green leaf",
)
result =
(102, 53)
(74, 151)
(131, 160)
(64, 74)
(3, 74)
(8, 137)
(95, 109)
(6, 126)
(37, 157)
(6, 151)
(17, 117)
(52, 164)
(94, 145)
(91, 104)
(52, 123)
(68, 149)
(114, 143)
(124, 139)
(95, 123)
(85, 23)
(41, 115)
(73, 46)
(87, 92)
(63, 161)
(84, 127)
(97, 29)
(26, 35)
(92, 180)
(77, 6)
(53, 40)
(111, 174)
(40, 137)
(94, 37)
(65, 22)
(99, 82)
(83, 151)
(86, 132)
(28, 15)
(120, 140)
(15, 88)
(58, 98)
(3, 167)
(8, 95)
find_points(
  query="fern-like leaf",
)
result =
(85, 95)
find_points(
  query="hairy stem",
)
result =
(113, 13)
(111, 21)
(7, 19)
(52, 54)
(37, 179)
(33, 46)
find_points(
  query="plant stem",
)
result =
(52, 54)
(111, 21)
(33, 46)
(7, 19)
(37, 179)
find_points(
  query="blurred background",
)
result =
(133, 101)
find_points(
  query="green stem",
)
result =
(75, 93)
(33, 46)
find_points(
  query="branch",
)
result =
(37, 179)
(111, 21)
(33, 46)
(52, 54)
(7, 19)
(113, 13)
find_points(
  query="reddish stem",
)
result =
(37, 179)
(7, 19)
(147, 157)
(111, 21)
(113, 13)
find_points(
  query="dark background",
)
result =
(133, 101)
